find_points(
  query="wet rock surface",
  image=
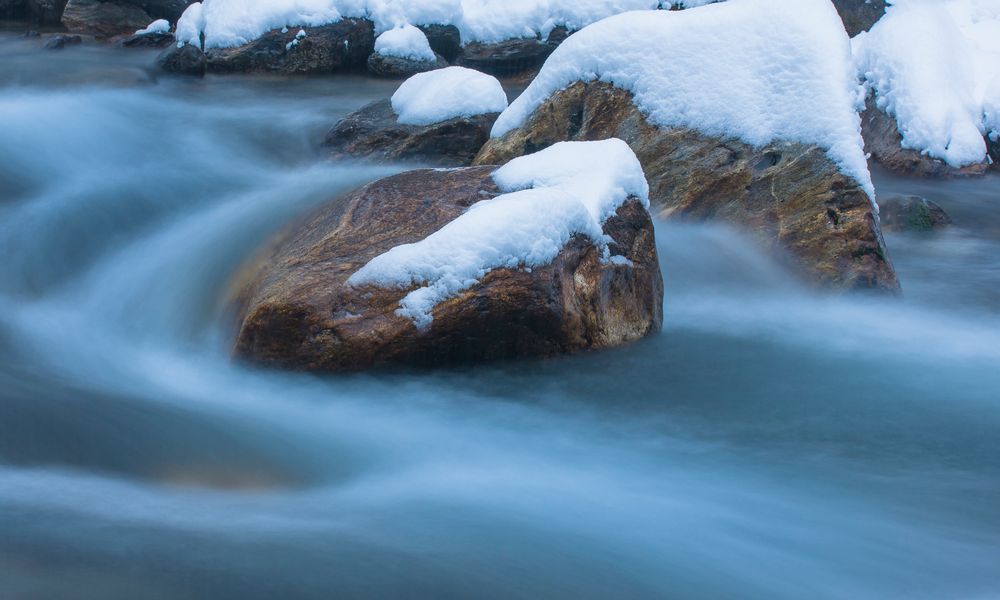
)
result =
(901, 213)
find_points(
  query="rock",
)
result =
(58, 42)
(170, 10)
(294, 309)
(12, 10)
(148, 40)
(859, 15)
(791, 196)
(31, 34)
(445, 40)
(186, 60)
(911, 213)
(373, 133)
(46, 12)
(394, 66)
(340, 46)
(506, 58)
(104, 19)
(884, 142)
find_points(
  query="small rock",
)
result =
(31, 34)
(185, 60)
(445, 40)
(506, 58)
(911, 213)
(148, 40)
(373, 133)
(859, 15)
(58, 42)
(394, 66)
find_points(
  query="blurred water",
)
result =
(770, 443)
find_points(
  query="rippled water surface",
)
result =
(770, 443)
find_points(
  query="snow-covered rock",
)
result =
(757, 70)
(405, 41)
(447, 93)
(934, 67)
(157, 26)
(553, 253)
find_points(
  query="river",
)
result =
(769, 443)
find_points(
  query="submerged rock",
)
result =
(859, 15)
(183, 60)
(58, 42)
(104, 19)
(340, 46)
(374, 133)
(885, 144)
(791, 196)
(295, 309)
(381, 65)
(911, 213)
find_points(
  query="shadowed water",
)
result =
(770, 443)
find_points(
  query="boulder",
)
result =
(104, 19)
(885, 144)
(859, 15)
(911, 213)
(790, 196)
(185, 60)
(148, 40)
(170, 10)
(45, 12)
(395, 66)
(339, 46)
(445, 40)
(58, 42)
(373, 133)
(295, 310)
(506, 58)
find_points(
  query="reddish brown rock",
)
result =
(374, 133)
(295, 310)
(790, 196)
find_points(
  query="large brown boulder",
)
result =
(375, 134)
(790, 196)
(340, 46)
(859, 15)
(885, 144)
(104, 19)
(295, 310)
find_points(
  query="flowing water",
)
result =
(769, 443)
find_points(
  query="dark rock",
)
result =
(294, 309)
(394, 66)
(506, 58)
(558, 35)
(45, 12)
(373, 133)
(58, 42)
(170, 10)
(340, 46)
(911, 213)
(186, 60)
(859, 15)
(445, 40)
(148, 40)
(104, 20)
(791, 196)
(31, 34)
(885, 144)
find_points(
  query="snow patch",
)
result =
(158, 26)
(568, 189)
(405, 42)
(443, 94)
(935, 68)
(759, 70)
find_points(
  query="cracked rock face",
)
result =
(294, 309)
(791, 197)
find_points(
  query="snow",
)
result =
(190, 25)
(228, 23)
(405, 42)
(935, 67)
(758, 70)
(568, 189)
(443, 94)
(158, 26)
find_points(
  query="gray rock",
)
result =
(394, 66)
(186, 60)
(911, 213)
(445, 40)
(104, 20)
(58, 42)
(506, 58)
(859, 15)
(148, 40)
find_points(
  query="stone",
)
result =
(911, 213)
(104, 20)
(859, 15)
(294, 309)
(445, 40)
(148, 40)
(790, 196)
(184, 60)
(58, 42)
(340, 46)
(394, 66)
(374, 134)
(506, 58)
